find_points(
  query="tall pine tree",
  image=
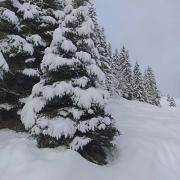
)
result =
(67, 106)
(116, 70)
(103, 49)
(151, 89)
(138, 85)
(126, 81)
(26, 28)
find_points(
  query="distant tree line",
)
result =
(121, 78)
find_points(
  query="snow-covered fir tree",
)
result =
(116, 70)
(109, 49)
(171, 101)
(138, 85)
(26, 28)
(93, 16)
(151, 89)
(103, 49)
(126, 81)
(106, 60)
(67, 106)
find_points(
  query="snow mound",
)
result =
(22, 160)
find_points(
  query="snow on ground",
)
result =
(149, 149)
(165, 103)
(177, 102)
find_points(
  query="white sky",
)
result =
(150, 29)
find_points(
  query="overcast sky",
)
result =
(150, 29)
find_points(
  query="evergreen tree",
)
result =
(67, 106)
(116, 69)
(26, 28)
(93, 16)
(171, 101)
(111, 80)
(151, 90)
(106, 60)
(109, 50)
(103, 49)
(126, 81)
(138, 85)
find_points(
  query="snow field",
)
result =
(148, 150)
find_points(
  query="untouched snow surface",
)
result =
(149, 149)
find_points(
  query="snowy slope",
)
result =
(149, 149)
(165, 103)
(177, 101)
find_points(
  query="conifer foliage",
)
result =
(26, 28)
(104, 50)
(133, 86)
(116, 70)
(151, 90)
(67, 106)
(171, 101)
(138, 84)
(126, 80)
